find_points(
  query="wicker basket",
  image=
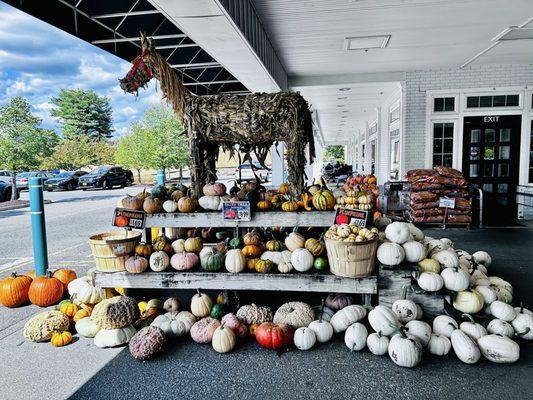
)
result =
(352, 259)
(111, 249)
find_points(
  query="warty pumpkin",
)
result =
(116, 312)
(14, 290)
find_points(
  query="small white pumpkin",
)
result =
(174, 323)
(347, 316)
(468, 301)
(478, 278)
(170, 206)
(323, 330)
(447, 242)
(383, 319)
(500, 327)
(420, 330)
(465, 347)
(482, 257)
(397, 232)
(377, 343)
(159, 261)
(201, 304)
(304, 338)
(235, 261)
(274, 256)
(114, 337)
(405, 350)
(488, 294)
(446, 258)
(455, 279)
(523, 310)
(414, 251)
(497, 281)
(499, 349)
(477, 267)
(405, 310)
(224, 339)
(211, 203)
(294, 241)
(430, 281)
(439, 345)
(502, 311)
(390, 253)
(178, 245)
(302, 260)
(417, 234)
(434, 246)
(472, 328)
(523, 326)
(502, 294)
(285, 265)
(355, 337)
(87, 327)
(444, 325)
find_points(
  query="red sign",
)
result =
(358, 217)
(124, 218)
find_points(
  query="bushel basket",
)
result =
(352, 259)
(111, 249)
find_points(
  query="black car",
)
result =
(5, 191)
(106, 178)
(65, 180)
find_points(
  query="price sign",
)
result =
(236, 211)
(358, 217)
(124, 218)
(446, 202)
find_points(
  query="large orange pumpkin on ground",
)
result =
(45, 291)
(14, 290)
(65, 276)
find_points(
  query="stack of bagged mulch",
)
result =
(428, 186)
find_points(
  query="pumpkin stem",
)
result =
(528, 329)
(198, 292)
(468, 316)
(353, 348)
(367, 307)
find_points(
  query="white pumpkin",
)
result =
(500, 327)
(324, 313)
(439, 345)
(114, 337)
(405, 350)
(502, 294)
(274, 256)
(347, 316)
(420, 330)
(502, 283)
(414, 251)
(468, 301)
(472, 328)
(235, 261)
(405, 310)
(172, 324)
(502, 311)
(178, 246)
(523, 310)
(383, 319)
(523, 326)
(302, 260)
(463, 254)
(294, 241)
(447, 242)
(417, 234)
(446, 258)
(465, 264)
(285, 265)
(323, 330)
(499, 349)
(377, 343)
(477, 267)
(170, 206)
(224, 339)
(397, 232)
(87, 327)
(159, 261)
(355, 337)
(390, 253)
(482, 257)
(83, 292)
(465, 347)
(488, 294)
(444, 325)
(478, 278)
(211, 203)
(430, 281)
(304, 338)
(201, 305)
(435, 245)
(455, 279)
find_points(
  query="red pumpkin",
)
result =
(14, 290)
(273, 336)
(65, 276)
(45, 291)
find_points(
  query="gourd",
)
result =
(274, 245)
(405, 310)
(184, 261)
(468, 301)
(377, 343)
(446, 258)
(302, 260)
(14, 290)
(174, 323)
(178, 245)
(80, 314)
(146, 343)
(502, 311)
(114, 337)
(170, 206)
(231, 321)
(201, 304)
(488, 294)
(430, 281)
(252, 314)
(136, 264)
(251, 251)
(45, 291)
(455, 279)
(193, 244)
(212, 259)
(414, 251)
(294, 313)
(439, 345)
(82, 291)
(325, 313)
(273, 336)
(482, 257)
(274, 256)
(500, 327)
(224, 339)
(472, 328)
(315, 247)
(211, 203)
(464, 347)
(116, 312)
(290, 206)
(349, 315)
(323, 330)
(405, 350)
(304, 338)
(65, 276)
(152, 205)
(159, 261)
(264, 266)
(390, 253)
(203, 330)
(60, 339)
(285, 265)
(523, 326)
(499, 349)
(420, 330)
(235, 261)
(40, 327)
(323, 199)
(294, 241)
(87, 327)
(214, 189)
(397, 232)
(355, 337)
(444, 325)
(187, 205)
(383, 319)
(417, 234)
(337, 301)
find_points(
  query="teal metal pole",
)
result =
(38, 227)
(160, 177)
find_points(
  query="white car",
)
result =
(6, 177)
(247, 172)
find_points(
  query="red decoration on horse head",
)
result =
(140, 74)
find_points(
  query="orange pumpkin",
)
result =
(45, 291)
(251, 251)
(264, 205)
(65, 276)
(14, 290)
(376, 214)
(144, 249)
(284, 188)
(60, 339)
(251, 263)
(69, 309)
(80, 314)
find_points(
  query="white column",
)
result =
(319, 160)
(278, 163)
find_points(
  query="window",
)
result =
(373, 157)
(443, 144)
(395, 154)
(363, 157)
(394, 115)
(443, 104)
(509, 100)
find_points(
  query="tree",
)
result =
(23, 144)
(83, 113)
(72, 154)
(334, 152)
(131, 150)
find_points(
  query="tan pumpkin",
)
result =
(177, 195)
(294, 241)
(187, 205)
(201, 304)
(193, 245)
(315, 247)
(132, 202)
(152, 205)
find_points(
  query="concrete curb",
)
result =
(24, 204)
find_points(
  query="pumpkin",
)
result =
(235, 261)
(218, 311)
(482, 257)
(264, 205)
(80, 314)
(211, 203)
(322, 329)
(304, 338)
(45, 291)
(417, 234)
(171, 304)
(430, 281)
(342, 319)
(465, 347)
(211, 259)
(136, 264)
(152, 205)
(40, 327)
(143, 249)
(60, 339)
(444, 325)
(294, 241)
(405, 350)
(499, 349)
(223, 340)
(235, 243)
(264, 266)
(252, 238)
(159, 261)
(273, 336)
(377, 343)
(447, 258)
(274, 245)
(502, 311)
(468, 301)
(397, 232)
(251, 251)
(383, 319)
(294, 313)
(439, 345)
(429, 265)
(176, 195)
(420, 330)
(114, 337)
(337, 301)
(65, 276)
(175, 323)
(252, 314)
(488, 294)
(414, 251)
(214, 189)
(500, 327)
(250, 263)
(390, 253)
(82, 291)
(170, 206)
(290, 206)
(405, 310)
(471, 328)
(184, 261)
(132, 202)
(87, 327)
(231, 321)
(355, 337)
(203, 330)
(302, 260)
(193, 245)
(187, 205)
(435, 245)
(284, 188)
(69, 309)
(14, 290)
(116, 312)
(523, 325)
(147, 342)
(159, 191)
(315, 247)
(323, 200)
(201, 304)
(455, 279)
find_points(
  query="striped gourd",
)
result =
(324, 200)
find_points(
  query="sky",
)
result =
(37, 60)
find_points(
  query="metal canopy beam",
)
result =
(127, 14)
(211, 82)
(137, 39)
(176, 46)
(197, 65)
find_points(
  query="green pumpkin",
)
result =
(212, 261)
(320, 263)
(230, 299)
(218, 311)
(252, 197)
(235, 243)
(68, 301)
(159, 191)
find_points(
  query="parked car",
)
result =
(105, 178)
(5, 191)
(65, 180)
(6, 177)
(24, 177)
(247, 172)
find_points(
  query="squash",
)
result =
(502, 311)
(405, 310)
(383, 319)
(87, 327)
(193, 244)
(187, 205)
(211, 259)
(355, 337)
(444, 325)
(414, 251)
(468, 301)
(214, 189)
(274, 245)
(60, 339)
(349, 315)
(500, 327)
(178, 245)
(337, 301)
(147, 342)
(446, 258)
(132, 202)
(274, 256)
(294, 241)
(14, 290)
(143, 249)
(430, 281)
(152, 205)
(252, 238)
(203, 330)
(523, 326)
(45, 290)
(290, 206)
(176, 195)
(405, 350)
(186, 261)
(80, 314)
(69, 309)
(439, 345)
(455, 279)
(285, 265)
(82, 291)
(116, 312)
(252, 314)
(417, 234)
(264, 266)
(397, 232)
(377, 343)
(251, 251)
(302, 260)
(284, 188)
(159, 261)
(235, 261)
(40, 327)
(472, 328)
(322, 329)
(231, 321)
(420, 330)
(315, 247)
(201, 304)
(264, 205)
(390, 253)
(465, 347)
(174, 323)
(172, 304)
(488, 294)
(114, 337)
(482, 257)
(224, 339)
(170, 206)
(499, 349)
(136, 264)
(324, 199)
(304, 338)
(295, 313)
(273, 336)
(306, 201)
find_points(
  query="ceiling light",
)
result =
(366, 42)
(514, 33)
(345, 89)
(342, 98)
(340, 105)
(344, 111)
